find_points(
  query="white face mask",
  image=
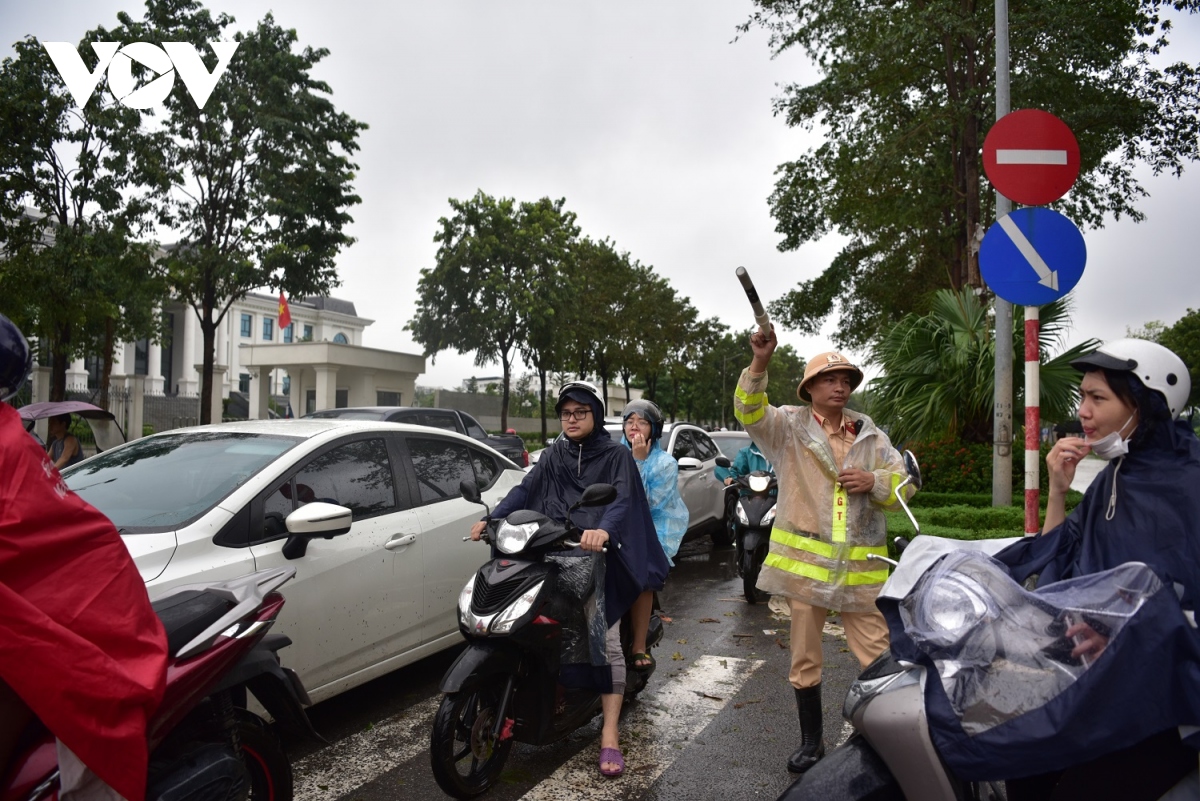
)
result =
(1111, 445)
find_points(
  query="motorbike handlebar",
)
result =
(572, 544)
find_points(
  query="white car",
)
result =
(215, 502)
(702, 492)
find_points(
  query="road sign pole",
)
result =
(1033, 423)
(1002, 397)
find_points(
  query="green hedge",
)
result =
(949, 465)
(933, 500)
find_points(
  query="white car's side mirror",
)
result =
(689, 463)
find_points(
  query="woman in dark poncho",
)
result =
(586, 455)
(1144, 506)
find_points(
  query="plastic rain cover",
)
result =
(1000, 650)
(578, 603)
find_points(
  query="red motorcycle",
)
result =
(204, 742)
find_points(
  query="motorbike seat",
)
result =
(185, 615)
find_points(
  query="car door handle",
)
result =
(399, 541)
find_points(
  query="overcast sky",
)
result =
(647, 117)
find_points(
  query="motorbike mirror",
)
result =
(914, 470)
(470, 490)
(723, 461)
(598, 495)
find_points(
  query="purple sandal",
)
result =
(612, 756)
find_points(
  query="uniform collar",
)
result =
(847, 423)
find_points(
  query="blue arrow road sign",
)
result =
(1032, 256)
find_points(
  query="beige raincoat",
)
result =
(822, 534)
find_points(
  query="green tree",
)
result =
(939, 370)
(259, 181)
(906, 97)
(484, 292)
(70, 205)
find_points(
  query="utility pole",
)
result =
(1002, 430)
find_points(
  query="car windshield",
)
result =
(165, 482)
(349, 414)
(731, 445)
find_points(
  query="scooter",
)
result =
(754, 513)
(519, 613)
(891, 755)
(204, 743)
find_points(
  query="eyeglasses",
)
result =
(578, 414)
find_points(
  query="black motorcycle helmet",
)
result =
(647, 410)
(16, 359)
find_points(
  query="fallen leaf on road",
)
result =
(706, 695)
(770, 632)
(709, 620)
(677, 656)
(734, 600)
(781, 643)
(683, 641)
(741, 704)
(743, 635)
(731, 614)
(725, 664)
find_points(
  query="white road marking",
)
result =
(847, 730)
(1031, 156)
(1046, 276)
(667, 716)
(352, 762)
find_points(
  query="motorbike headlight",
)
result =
(464, 600)
(505, 620)
(741, 514)
(769, 517)
(513, 538)
(949, 607)
(759, 483)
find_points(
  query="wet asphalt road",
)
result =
(718, 719)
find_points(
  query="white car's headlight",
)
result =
(464, 599)
(759, 483)
(769, 517)
(741, 514)
(513, 538)
(504, 621)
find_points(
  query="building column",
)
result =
(77, 376)
(189, 381)
(137, 392)
(260, 392)
(218, 399)
(326, 386)
(296, 390)
(154, 376)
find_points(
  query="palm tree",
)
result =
(939, 370)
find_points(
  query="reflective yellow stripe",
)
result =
(798, 568)
(840, 507)
(750, 399)
(855, 552)
(891, 498)
(749, 419)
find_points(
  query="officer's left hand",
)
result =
(856, 481)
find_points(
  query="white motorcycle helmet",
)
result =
(1158, 368)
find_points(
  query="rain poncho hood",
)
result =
(660, 478)
(636, 562)
(822, 534)
(79, 642)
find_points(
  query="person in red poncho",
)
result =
(80, 647)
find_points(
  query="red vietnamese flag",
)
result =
(285, 314)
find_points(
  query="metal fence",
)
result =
(165, 412)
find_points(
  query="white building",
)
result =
(175, 368)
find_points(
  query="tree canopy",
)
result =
(905, 98)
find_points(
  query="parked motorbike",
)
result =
(891, 755)
(204, 743)
(754, 515)
(519, 613)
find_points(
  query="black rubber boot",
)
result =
(812, 746)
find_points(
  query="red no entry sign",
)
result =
(1031, 157)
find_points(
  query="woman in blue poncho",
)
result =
(643, 425)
